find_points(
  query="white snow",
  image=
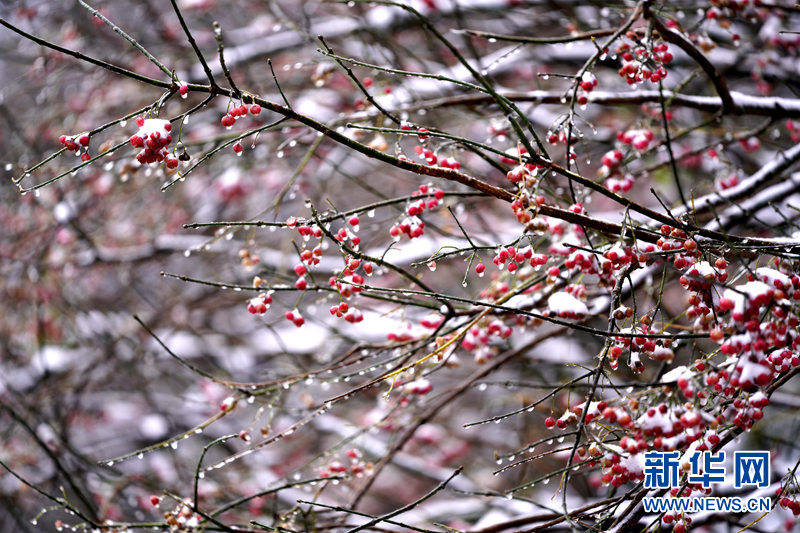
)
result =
(745, 293)
(702, 269)
(563, 302)
(676, 373)
(771, 276)
(658, 420)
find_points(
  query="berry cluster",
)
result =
(262, 302)
(344, 284)
(639, 139)
(306, 231)
(610, 169)
(788, 502)
(427, 155)
(727, 182)
(259, 304)
(153, 137)
(426, 197)
(750, 144)
(512, 258)
(587, 84)
(249, 259)
(356, 466)
(78, 144)
(639, 63)
(418, 387)
(182, 517)
(638, 345)
(478, 339)
(794, 131)
(522, 208)
(237, 112)
(295, 317)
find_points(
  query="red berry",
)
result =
(228, 121)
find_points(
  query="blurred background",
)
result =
(82, 383)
